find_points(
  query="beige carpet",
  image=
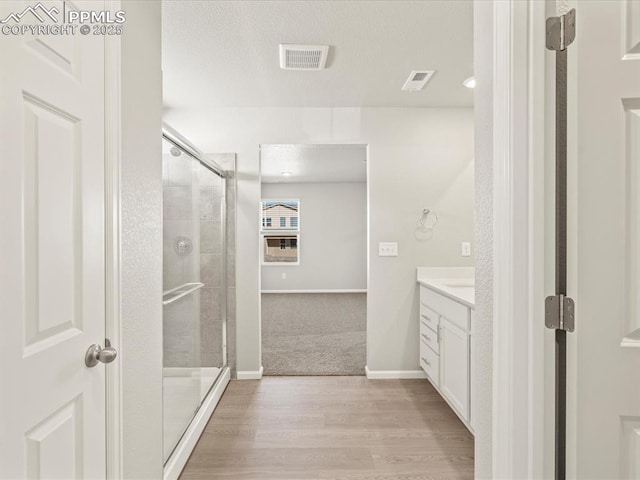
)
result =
(314, 333)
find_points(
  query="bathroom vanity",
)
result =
(446, 319)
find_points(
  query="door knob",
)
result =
(97, 354)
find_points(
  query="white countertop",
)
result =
(457, 283)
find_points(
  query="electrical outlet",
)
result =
(466, 249)
(388, 249)
(284, 276)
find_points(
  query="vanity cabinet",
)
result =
(454, 366)
(445, 349)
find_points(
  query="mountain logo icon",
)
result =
(39, 11)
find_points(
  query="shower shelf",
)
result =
(174, 294)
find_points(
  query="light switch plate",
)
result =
(388, 249)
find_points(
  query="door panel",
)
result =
(607, 269)
(52, 233)
(52, 290)
(47, 444)
(631, 29)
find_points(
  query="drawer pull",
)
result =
(426, 361)
(425, 317)
(426, 337)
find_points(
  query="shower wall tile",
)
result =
(211, 189)
(231, 271)
(177, 203)
(211, 329)
(180, 320)
(210, 237)
(179, 269)
(211, 270)
(231, 237)
(180, 170)
(193, 326)
(206, 178)
(210, 305)
(210, 204)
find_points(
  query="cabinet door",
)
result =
(454, 366)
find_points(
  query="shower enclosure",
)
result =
(198, 208)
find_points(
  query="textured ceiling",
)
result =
(313, 163)
(225, 53)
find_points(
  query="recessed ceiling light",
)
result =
(286, 174)
(470, 82)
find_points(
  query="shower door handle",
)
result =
(96, 354)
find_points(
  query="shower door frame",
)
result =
(176, 461)
(173, 137)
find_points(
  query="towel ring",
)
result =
(424, 222)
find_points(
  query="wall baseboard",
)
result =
(389, 374)
(181, 454)
(250, 374)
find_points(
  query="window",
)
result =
(278, 249)
(280, 239)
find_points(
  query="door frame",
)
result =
(519, 103)
(113, 323)
(516, 359)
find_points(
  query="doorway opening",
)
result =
(313, 259)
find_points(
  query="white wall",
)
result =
(483, 329)
(417, 158)
(333, 237)
(141, 242)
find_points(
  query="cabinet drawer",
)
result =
(429, 337)
(428, 317)
(451, 310)
(430, 363)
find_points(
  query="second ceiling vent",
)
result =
(303, 57)
(417, 80)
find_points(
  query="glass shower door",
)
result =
(193, 299)
(213, 355)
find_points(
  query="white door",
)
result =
(454, 366)
(52, 300)
(607, 358)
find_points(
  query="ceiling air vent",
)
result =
(303, 57)
(417, 80)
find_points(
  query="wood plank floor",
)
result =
(341, 428)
